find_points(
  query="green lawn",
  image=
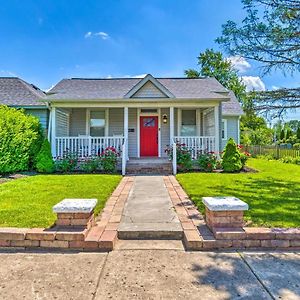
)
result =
(28, 202)
(273, 194)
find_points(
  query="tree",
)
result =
(231, 160)
(298, 133)
(282, 134)
(270, 35)
(213, 64)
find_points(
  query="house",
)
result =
(15, 92)
(141, 116)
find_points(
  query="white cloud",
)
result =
(253, 83)
(239, 63)
(88, 34)
(101, 34)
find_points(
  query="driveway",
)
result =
(150, 274)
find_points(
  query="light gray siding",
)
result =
(149, 90)
(209, 120)
(78, 121)
(165, 131)
(62, 122)
(116, 121)
(232, 129)
(132, 134)
(41, 114)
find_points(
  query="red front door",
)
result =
(149, 136)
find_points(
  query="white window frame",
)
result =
(225, 129)
(88, 120)
(198, 120)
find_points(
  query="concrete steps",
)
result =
(155, 166)
(150, 231)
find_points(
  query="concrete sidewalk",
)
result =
(150, 274)
(149, 212)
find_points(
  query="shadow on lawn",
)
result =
(233, 279)
(270, 200)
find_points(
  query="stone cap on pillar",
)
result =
(75, 206)
(224, 203)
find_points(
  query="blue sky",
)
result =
(43, 41)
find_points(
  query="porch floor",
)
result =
(149, 213)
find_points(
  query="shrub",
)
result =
(183, 156)
(90, 165)
(109, 160)
(67, 163)
(296, 146)
(231, 157)
(21, 138)
(44, 161)
(290, 160)
(244, 155)
(207, 162)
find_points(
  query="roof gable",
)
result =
(149, 87)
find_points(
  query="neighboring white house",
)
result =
(15, 92)
(142, 116)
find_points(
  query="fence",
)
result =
(276, 151)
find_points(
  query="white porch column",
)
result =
(53, 131)
(217, 129)
(171, 125)
(126, 129)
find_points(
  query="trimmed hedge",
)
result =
(20, 140)
(44, 161)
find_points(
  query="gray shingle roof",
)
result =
(16, 92)
(232, 107)
(117, 88)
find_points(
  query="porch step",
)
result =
(150, 231)
(159, 166)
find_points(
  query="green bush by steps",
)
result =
(44, 161)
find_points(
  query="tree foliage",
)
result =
(213, 64)
(269, 34)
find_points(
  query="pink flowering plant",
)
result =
(183, 156)
(109, 160)
(67, 163)
(207, 162)
(244, 154)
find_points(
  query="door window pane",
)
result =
(188, 125)
(149, 122)
(97, 123)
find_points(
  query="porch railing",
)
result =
(197, 144)
(86, 146)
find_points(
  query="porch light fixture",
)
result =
(165, 119)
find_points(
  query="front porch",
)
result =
(88, 131)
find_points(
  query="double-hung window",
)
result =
(188, 122)
(97, 123)
(224, 129)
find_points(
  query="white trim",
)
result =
(88, 120)
(154, 81)
(49, 127)
(217, 129)
(126, 129)
(156, 103)
(159, 132)
(53, 132)
(138, 133)
(239, 132)
(225, 130)
(171, 124)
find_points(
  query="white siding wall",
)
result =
(78, 121)
(232, 129)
